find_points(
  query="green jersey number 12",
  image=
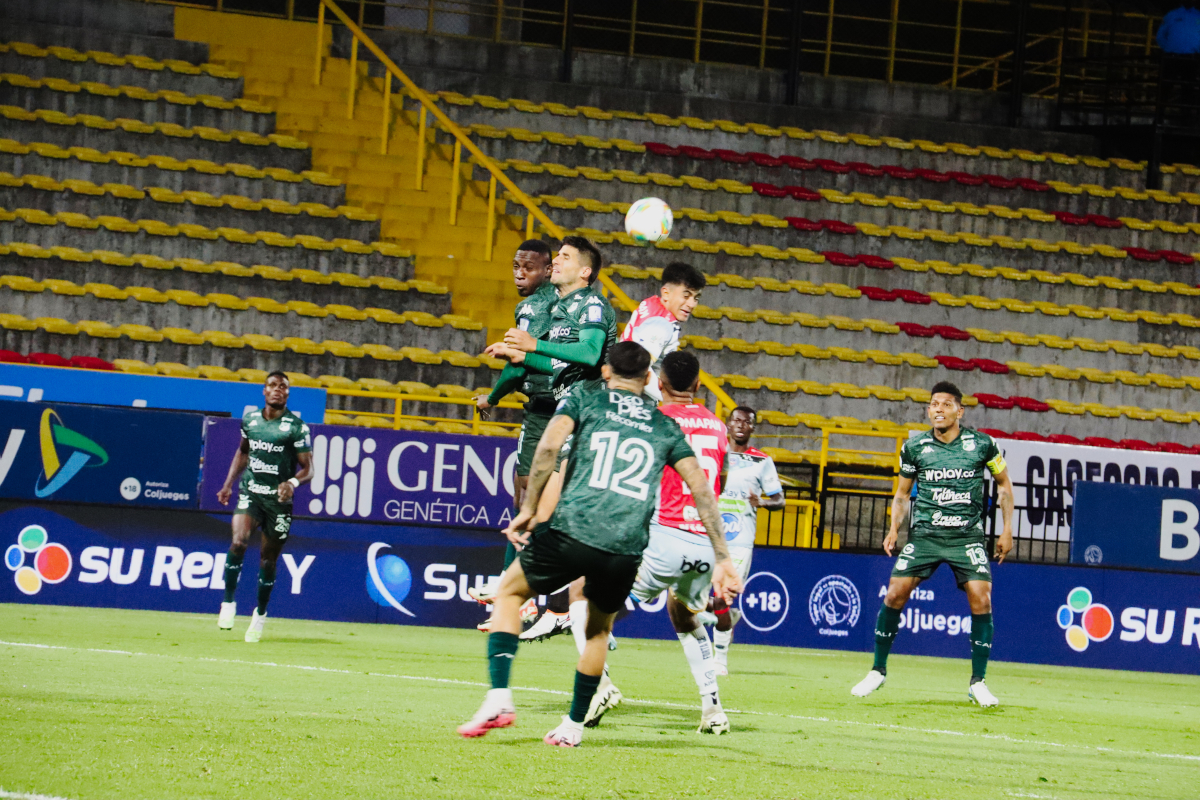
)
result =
(636, 453)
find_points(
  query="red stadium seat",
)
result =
(91, 362)
(916, 298)
(952, 333)
(800, 193)
(1067, 218)
(1029, 404)
(991, 367)
(965, 178)
(994, 401)
(1027, 436)
(882, 295)
(836, 226)
(1030, 185)
(955, 363)
(1142, 254)
(1100, 441)
(843, 260)
(802, 224)
(999, 181)
(915, 329)
(1101, 221)
(876, 262)
(995, 433)
(698, 153)
(931, 175)
(1063, 438)
(764, 160)
(1176, 257)
(829, 165)
(768, 190)
(1136, 444)
(1173, 447)
(660, 149)
(865, 169)
(12, 357)
(796, 162)
(48, 360)
(731, 156)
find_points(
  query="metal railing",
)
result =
(397, 418)
(461, 141)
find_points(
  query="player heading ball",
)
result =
(947, 464)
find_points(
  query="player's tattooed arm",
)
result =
(900, 504)
(1004, 499)
(240, 459)
(544, 461)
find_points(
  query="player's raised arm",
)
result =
(900, 505)
(725, 577)
(544, 460)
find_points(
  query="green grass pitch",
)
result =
(129, 704)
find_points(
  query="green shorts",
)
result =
(532, 428)
(921, 557)
(553, 559)
(272, 516)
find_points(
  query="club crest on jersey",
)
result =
(968, 445)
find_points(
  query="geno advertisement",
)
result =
(406, 477)
(407, 575)
(97, 454)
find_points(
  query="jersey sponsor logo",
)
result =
(948, 474)
(949, 497)
(254, 487)
(574, 307)
(699, 566)
(630, 405)
(258, 444)
(941, 520)
(559, 331)
(630, 423)
(834, 605)
(260, 466)
(732, 523)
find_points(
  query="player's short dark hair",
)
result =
(280, 373)
(590, 254)
(535, 246)
(629, 360)
(683, 274)
(946, 387)
(680, 369)
(746, 410)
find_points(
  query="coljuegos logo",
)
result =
(83, 453)
(51, 561)
(1095, 625)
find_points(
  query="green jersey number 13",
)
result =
(636, 453)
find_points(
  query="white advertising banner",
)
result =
(1043, 475)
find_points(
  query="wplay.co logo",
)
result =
(1095, 625)
(51, 561)
(389, 580)
(57, 438)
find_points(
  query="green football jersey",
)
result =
(620, 446)
(950, 496)
(533, 316)
(275, 445)
(582, 308)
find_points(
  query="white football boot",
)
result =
(721, 669)
(484, 594)
(497, 711)
(612, 642)
(713, 719)
(869, 684)
(257, 621)
(227, 615)
(706, 618)
(981, 694)
(606, 698)
(548, 624)
(567, 734)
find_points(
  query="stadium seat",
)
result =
(48, 360)
(12, 357)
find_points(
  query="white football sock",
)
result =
(699, 652)
(501, 697)
(579, 615)
(721, 642)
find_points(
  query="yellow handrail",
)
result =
(497, 175)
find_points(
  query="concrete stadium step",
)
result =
(94, 15)
(149, 111)
(206, 249)
(268, 153)
(924, 249)
(111, 41)
(23, 341)
(204, 283)
(194, 213)
(164, 315)
(198, 177)
(51, 66)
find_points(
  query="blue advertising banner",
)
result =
(1149, 527)
(407, 477)
(403, 575)
(97, 454)
(95, 387)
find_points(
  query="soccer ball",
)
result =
(649, 220)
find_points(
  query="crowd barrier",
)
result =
(404, 575)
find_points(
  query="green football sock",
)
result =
(510, 555)
(585, 689)
(233, 571)
(982, 630)
(886, 626)
(266, 582)
(502, 649)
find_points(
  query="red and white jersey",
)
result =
(655, 328)
(675, 506)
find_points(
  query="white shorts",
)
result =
(742, 556)
(679, 561)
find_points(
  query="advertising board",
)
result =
(1136, 526)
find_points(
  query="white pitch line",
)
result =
(27, 796)
(653, 703)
